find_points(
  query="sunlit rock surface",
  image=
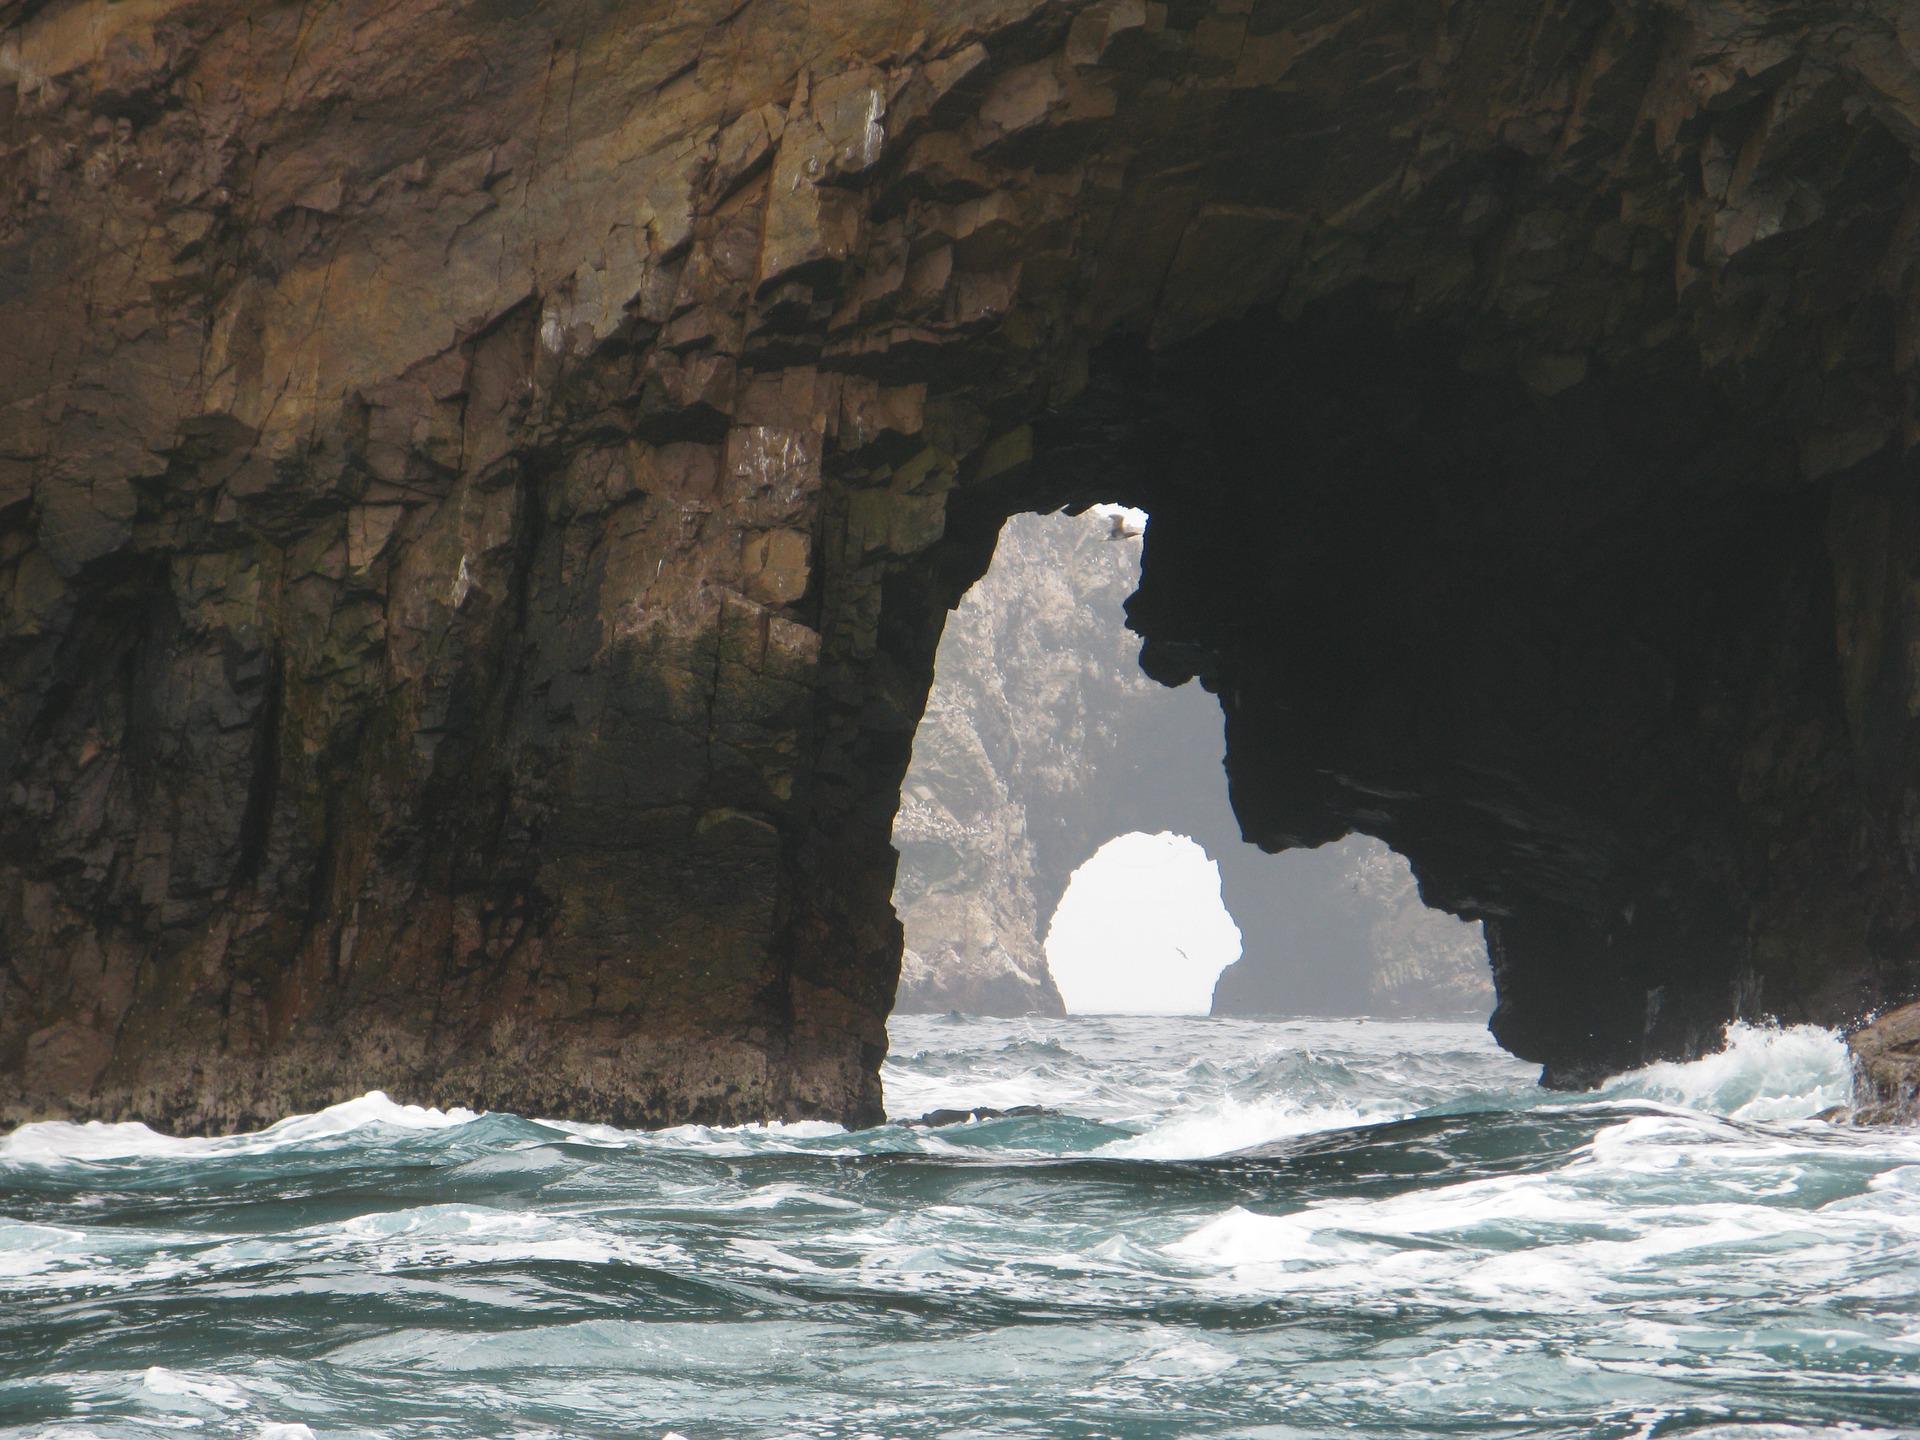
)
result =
(480, 488)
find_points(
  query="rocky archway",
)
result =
(481, 503)
(1042, 741)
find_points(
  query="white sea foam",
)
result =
(1762, 1073)
(471, 1234)
(774, 1197)
(1010, 1081)
(1682, 1249)
(1227, 1124)
(1712, 1179)
(59, 1142)
(1180, 1360)
(1579, 1241)
(55, 1142)
(170, 1388)
(710, 1139)
(372, 1108)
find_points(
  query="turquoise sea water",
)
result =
(1290, 1229)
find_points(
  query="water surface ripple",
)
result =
(1223, 1228)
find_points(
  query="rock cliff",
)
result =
(1042, 740)
(1344, 932)
(1038, 676)
(480, 488)
(1035, 674)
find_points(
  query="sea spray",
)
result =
(56, 1142)
(1761, 1072)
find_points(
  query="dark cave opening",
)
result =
(1569, 647)
(1565, 641)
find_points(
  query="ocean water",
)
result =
(1223, 1228)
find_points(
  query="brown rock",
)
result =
(547, 807)
(1886, 1069)
(776, 566)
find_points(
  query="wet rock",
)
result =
(1886, 1069)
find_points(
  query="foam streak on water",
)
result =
(1224, 1228)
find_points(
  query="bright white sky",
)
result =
(1141, 929)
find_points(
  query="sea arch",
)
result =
(478, 525)
(1042, 741)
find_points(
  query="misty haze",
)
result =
(1065, 831)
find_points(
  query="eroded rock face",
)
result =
(964, 890)
(1009, 689)
(479, 489)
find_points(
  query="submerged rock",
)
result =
(1886, 1069)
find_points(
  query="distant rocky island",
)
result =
(1043, 740)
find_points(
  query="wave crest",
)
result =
(54, 1142)
(1762, 1073)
